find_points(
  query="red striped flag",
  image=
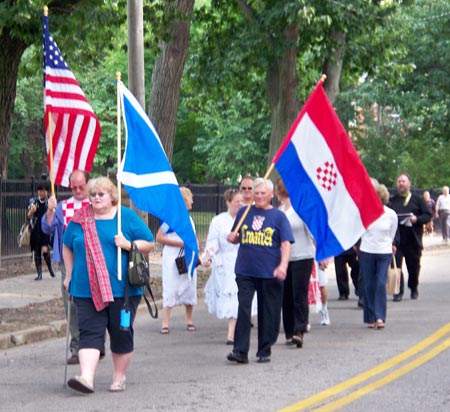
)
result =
(74, 128)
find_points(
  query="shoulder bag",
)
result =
(393, 278)
(139, 276)
(23, 240)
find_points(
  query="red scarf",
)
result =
(96, 264)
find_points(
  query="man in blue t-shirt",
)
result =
(264, 238)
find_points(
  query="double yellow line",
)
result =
(334, 391)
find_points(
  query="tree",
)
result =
(168, 71)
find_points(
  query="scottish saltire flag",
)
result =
(74, 128)
(148, 178)
(325, 178)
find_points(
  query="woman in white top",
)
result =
(221, 288)
(177, 289)
(375, 255)
(295, 293)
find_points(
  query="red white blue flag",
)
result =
(326, 180)
(74, 128)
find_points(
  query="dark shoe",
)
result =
(360, 302)
(414, 294)
(397, 298)
(79, 384)
(237, 357)
(298, 340)
(230, 342)
(38, 277)
(343, 297)
(263, 359)
(73, 360)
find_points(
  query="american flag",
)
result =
(75, 130)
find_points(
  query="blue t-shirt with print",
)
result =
(133, 228)
(260, 237)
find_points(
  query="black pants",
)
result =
(270, 295)
(340, 263)
(412, 257)
(295, 297)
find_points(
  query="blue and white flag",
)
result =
(148, 177)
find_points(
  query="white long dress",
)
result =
(177, 289)
(221, 288)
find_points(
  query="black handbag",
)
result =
(180, 261)
(139, 276)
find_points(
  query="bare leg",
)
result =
(189, 310)
(88, 363)
(231, 327)
(166, 317)
(121, 362)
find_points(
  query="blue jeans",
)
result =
(374, 269)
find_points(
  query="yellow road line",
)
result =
(358, 379)
(352, 397)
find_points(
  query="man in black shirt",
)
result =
(412, 214)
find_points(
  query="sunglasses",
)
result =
(246, 188)
(94, 194)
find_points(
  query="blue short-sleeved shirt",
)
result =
(261, 235)
(133, 228)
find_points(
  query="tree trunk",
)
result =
(136, 78)
(282, 83)
(333, 66)
(11, 50)
(167, 74)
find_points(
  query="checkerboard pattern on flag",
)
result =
(74, 128)
(325, 178)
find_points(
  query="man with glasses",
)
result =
(54, 222)
(246, 188)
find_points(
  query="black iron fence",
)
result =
(15, 195)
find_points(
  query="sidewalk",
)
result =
(21, 291)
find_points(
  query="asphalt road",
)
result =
(342, 367)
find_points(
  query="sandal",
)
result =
(118, 386)
(191, 327)
(164, 330)
(380, 324)
(78, 383)
(371, 325)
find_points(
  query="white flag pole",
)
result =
(119, 186)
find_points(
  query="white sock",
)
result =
(324, 306)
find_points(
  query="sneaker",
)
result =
(324, 317)
(237, 357)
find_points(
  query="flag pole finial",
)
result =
(323, 78)
(46, 11)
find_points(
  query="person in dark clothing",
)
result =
(39, 241)
(412, 213)
(348, 257)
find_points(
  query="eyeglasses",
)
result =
(246, 188)
(94, 194)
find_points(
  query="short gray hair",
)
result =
(261, 181)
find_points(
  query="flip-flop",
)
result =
(164, 330)
(191, 327)
(371, 325)
(380, 324)
(80, 384)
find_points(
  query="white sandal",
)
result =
(118, 386)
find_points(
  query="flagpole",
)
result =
(50, 135)
(244, 215)
(119, 185)
(266, 176)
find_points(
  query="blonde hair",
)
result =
(187, 195)
(382, 193)
(106, 184)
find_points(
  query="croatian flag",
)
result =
(325, 178)
(148, 178)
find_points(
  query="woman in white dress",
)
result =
(177, 289)
(221, 288)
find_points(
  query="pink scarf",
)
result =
(96, 264)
